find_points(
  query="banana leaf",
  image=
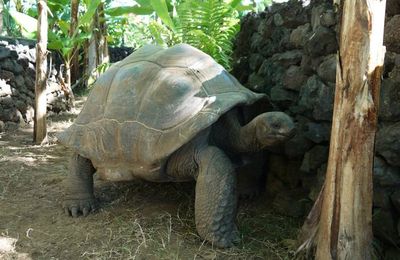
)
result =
(122, 10)
(161, 8)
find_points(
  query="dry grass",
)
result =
(137, 220)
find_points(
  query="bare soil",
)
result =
(137, 220)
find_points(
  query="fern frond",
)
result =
(209, 25)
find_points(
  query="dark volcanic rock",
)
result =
(4, 53)
(394, 74)
(255, 61)
(271, 71)
(384, 226)
(388, 143)
(297, 146)
(257, 83)
(315, 97)
(242, 42)
(288, 58)
(281, 96)
(314, 158)
(291, 15)
(292, 203)
(293, 61)
(392, 7)
(389, 104)
(392, 34)
(300, 35)
(381, 198)
(17, 83)
(11, 65)
(385, 175)
(395, 197)
(327, 69)
(294, 78)
(322, 42)
(318, 132)
(266, 28)
(323, 109)
(328, 18)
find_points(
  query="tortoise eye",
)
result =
(276, 125)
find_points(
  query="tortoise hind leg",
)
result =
(251, 176)
(79, 196)
(215, 205)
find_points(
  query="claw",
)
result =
(85, 211)
(76, 207)
(74, 212)
(66, 211)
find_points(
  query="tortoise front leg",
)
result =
(79, 196)
(216, 199)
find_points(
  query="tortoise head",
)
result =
(273, 128)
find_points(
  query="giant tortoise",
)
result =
(167, 115)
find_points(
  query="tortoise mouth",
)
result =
(286, 135)
(291, 133)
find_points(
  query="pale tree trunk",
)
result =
(340, 224)
(40, 131)
(98, 48)
(75, 53)
(103, 46)
(70, 69)
(64, 77)
(1, 16)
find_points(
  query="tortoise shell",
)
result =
(150, 104)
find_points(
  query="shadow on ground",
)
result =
(137, 220)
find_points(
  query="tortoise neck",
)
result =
(238, 138)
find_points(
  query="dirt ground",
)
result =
(137, 220)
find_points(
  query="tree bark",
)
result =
(40, 130)
(103, 52)
(1, 16)
(344, 229)
(75, 53)
(98, 48)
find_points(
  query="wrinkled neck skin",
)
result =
(231, 135)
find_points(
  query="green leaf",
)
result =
(55, 45)
(66, 51)
(156, 31)
(122, 10)
(81, 37)
(242, 8)
(234, 3)
(160, 6)
(29, 24)
(64, 26)
(91, 9)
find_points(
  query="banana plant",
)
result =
(59, 37)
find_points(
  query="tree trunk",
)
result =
(75, 53)
(64, 77)
(344, 227)
(98, 48)
(102, 36)
(1, 16)
(40, 131)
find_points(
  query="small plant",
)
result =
(209, 25)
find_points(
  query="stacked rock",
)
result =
(289, 53)
(17, 85)
(119, 53)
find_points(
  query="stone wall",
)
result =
(17, 84)
(17, 81)
(119, 53)
(289, 53)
